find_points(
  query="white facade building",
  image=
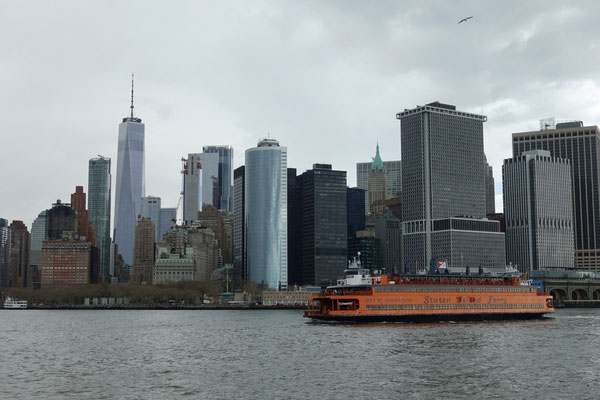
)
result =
(192, 187)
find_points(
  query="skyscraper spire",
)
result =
(131, 95)
(377, 162)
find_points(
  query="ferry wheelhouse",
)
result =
(362, 296)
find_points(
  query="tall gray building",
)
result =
(240, 265)
(580, 145)
(192, 188)
(130, 186)
(99, 184)
(323, 224)
(265, 213)
(168, 217)
(538, 211)
(443, 191)
(388, 229)
(4, 253)
(39, 233)
(210, 179)
(224, 175)
(490, 195)
(150, 209)
(394, 179)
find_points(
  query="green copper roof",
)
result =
(377, 163)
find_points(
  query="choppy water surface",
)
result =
(280, 355)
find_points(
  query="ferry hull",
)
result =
(428, 317)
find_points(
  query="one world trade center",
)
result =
(130, 182)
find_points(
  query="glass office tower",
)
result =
(150, 209)
(99, 184)
(130, 183)
(224, 195)
(266, 213)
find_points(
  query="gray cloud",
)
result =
(325, 78)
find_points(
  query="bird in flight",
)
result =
(465, 19)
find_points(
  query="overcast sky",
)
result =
(325, 78)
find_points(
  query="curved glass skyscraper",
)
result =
(130, 183)
(265, 213)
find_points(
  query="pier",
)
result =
(570, 288)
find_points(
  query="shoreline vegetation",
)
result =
(186, 294)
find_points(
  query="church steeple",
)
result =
(377, 162)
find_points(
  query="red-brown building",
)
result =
(19, 254)
(65, 262)
(81, 213)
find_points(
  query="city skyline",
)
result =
(220, 97)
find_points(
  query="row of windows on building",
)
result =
(541, 222)
(553, 135)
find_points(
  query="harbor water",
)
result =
(261, 354)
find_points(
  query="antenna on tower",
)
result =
(131, 95)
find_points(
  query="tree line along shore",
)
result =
(180, 294)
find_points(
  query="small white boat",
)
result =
(14, 304)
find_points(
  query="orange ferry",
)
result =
(363, 297)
